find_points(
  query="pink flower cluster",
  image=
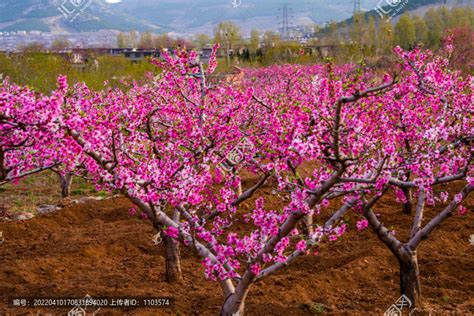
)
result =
(317, 133)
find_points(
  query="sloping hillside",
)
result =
(44, 15)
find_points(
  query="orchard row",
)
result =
(178, 147)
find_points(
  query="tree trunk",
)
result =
(307, 224)
(233, 306)
(172, 259)
(407, 207)
(65, 181)
(239, 189)
(410, 279)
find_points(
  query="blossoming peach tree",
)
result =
(26, 132)
(431, 125)
(310, 135)
(162, 145)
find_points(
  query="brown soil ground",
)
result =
(98, 249)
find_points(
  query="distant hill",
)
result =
(415, 6)
(418, 7)
(182, 16)
(44, 15)
(203, 15)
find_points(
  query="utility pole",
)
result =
(285, 21)
(228, 46)
(356, 6)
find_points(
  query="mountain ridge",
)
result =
(180, 16)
